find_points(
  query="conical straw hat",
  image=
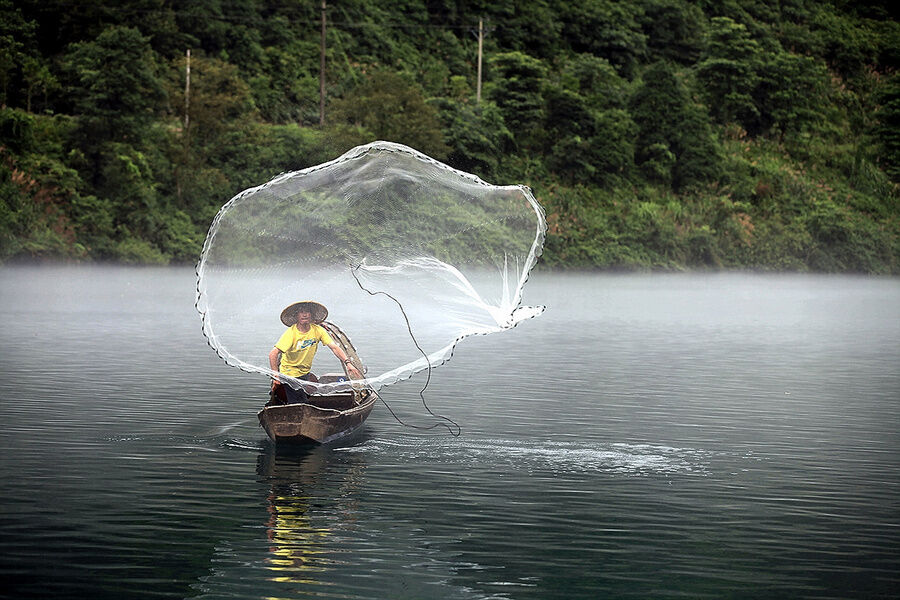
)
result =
(318, 312)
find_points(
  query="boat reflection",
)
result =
(312, 497)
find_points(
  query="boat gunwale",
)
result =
(365, 403)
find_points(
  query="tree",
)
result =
(114, 85)
(848, 48)
(220, 102)
(219, 98)
(533, 27)
(607, 29)
(37, 77)
(675, 144)
(230, 31)
(115, 90)
(887, 130)
(729, 72)
(796, 107)
(593, 78)
(675, 30)
(476, 134)
(516, 86)
(287, 88)
(697, 151)
(656, 106)
(393, 108)
(16, 37)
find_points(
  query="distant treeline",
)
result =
(656, 133)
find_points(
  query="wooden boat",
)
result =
(323, 418)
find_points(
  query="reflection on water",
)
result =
(297, 551)
(299, 536)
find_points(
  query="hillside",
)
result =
(663, 134)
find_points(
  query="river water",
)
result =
(649, 436)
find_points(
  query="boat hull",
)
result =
(322, 420)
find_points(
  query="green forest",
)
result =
(657, 134)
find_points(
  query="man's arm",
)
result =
(342, 356)
(274, 359)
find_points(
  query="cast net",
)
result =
(381, 225)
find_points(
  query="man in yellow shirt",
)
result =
(295, 349)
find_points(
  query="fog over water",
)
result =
(684, 435)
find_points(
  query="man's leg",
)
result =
(296, 396)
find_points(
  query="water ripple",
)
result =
(562, 457)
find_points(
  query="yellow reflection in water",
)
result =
(297, 547)
(301, 488)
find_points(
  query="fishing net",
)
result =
(408, 255)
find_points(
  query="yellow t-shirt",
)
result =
(298, 349)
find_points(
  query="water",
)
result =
(696, 436)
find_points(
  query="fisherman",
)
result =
(294, 351)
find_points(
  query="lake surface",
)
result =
(649, 436)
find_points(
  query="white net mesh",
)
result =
(454, 251)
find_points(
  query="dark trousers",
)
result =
(296, 396)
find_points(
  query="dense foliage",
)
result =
(656, 133)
